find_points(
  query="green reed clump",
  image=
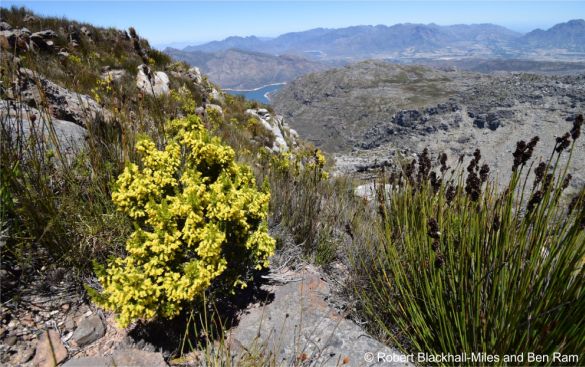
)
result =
(466, 267)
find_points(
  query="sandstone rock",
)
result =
(126, 357)
(63, 103)
(194, 74)
(29, 18)
(70, 136)
(213, 107)
(153, 83)
(89, 330)
(50, 350)
(272, 124)
(300, 320)
(370, 191)
(85, 31)
(43, 39)
(216, 96)
(46, 34)
(114, 75)
(16, 38)
(5, 26)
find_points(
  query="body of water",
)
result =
(258, 94)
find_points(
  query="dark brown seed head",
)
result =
(563, 143)
(484, 172)
(534, 200)
(539, 173)
(532, 143)
(567, 181)
(576, 130)
(450, 193)
(439, 261)
(496, 224)
(477, 156)
(433, 228)
(435, 245)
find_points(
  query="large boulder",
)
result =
(18, 39)
(43, 39)
(154, 83)
(22, 121)
(63, 104)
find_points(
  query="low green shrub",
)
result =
(198, 217)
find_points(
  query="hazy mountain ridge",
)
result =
(569, 35)
(369, 40)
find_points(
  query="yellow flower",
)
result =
(197, 214)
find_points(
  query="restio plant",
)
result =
(198, 217)
(467, 269)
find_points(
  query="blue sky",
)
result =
(191, 22)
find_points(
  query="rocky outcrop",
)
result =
(63, 104)
(155, 83)
(274, 124)
(26, 120)
(300, 324)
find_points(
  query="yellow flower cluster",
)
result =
(199, 217)
(309, 162)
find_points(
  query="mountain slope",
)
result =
(245, 69)
(569, 35)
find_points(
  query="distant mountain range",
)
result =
(375, 41)
(253, 61)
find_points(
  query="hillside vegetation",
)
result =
(133, 184)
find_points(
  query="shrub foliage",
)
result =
(198, 216)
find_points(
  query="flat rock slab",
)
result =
(89, 330)
(299, 325)
(126, 357)
(50, 350)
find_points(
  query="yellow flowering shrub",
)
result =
(198, 217)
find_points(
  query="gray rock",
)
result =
(493, 121)
(46, 34)
(88, 331)
(63, 103)
(126, 357)
(153, 83)
(194, 74)
(5, 26)
(85, 31)
(115, 74)
(19, 120)
(213, 107)
(300, 321)
(407, 118)
(29, 18)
